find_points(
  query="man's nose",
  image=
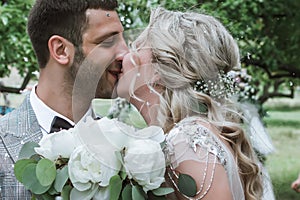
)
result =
(122, 50)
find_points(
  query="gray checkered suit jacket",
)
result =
(16, 128)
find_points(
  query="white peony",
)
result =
(57, 144)
(102, 193)
(120, 134)
(144, 162)
(105, 132)
(91, 147)
(116, 133)
(96, 164)
(154, 133)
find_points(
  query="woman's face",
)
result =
(137, 71)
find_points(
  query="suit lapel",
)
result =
(21, 127)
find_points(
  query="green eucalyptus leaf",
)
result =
(27, 150)
(33, 197)
(115, 187)
(123, 174)
(187, 185)
(20, 167)
(46, 172)
(158, 197)
(52, 191)
(47, 196)
(31, 182)
(137, 193)
(127, 192)
(162, 191)
(36, 157)
(62, 177)
(119, 156)
(66, 192)
(87, 194)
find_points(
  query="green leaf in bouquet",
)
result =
(187, 185)
(162, 191)
(163, 144)
(45, 172)
(62, 177)
(123, 174)
(36, 157)
(47, 196)
(119, 156)
(20, 167)
(31, 182)
(52, 191)
(138, 193)
(65, 193)
(87, 194)
(127, 192)
(27, 150)
(115, 187)
(158, 197)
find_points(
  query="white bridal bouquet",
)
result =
(97, 159)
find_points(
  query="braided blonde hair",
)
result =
(187, 47)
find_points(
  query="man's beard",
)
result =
(70, 75)
(86, 78)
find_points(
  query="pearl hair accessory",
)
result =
(222, 87)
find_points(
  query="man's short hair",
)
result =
(66, 18)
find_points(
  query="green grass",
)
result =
(286, 118)
(283, 125)
(284, 163)
(284, 104)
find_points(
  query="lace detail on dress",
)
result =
(196, 135)
(206, 140)
(190, 140)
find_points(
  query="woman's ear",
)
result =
(61, 50)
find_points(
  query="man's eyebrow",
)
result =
(103, 37)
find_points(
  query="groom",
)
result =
(79, 48)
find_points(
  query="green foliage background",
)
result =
(15, 49)
(267, 32)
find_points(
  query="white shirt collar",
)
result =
(45, 114)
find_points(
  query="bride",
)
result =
(177, 75)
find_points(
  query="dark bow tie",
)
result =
(58, 124)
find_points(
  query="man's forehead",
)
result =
(97, 14)
(104, 18)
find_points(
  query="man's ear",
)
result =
(61, 49)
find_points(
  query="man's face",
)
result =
(103, 48)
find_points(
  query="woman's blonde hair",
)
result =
(192, 47)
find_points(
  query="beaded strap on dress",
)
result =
(197, 136)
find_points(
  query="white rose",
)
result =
(116, 133)
(102, 193)
(145, 163)
(95, 164)
(152, 132)
(57, 144)
(105, 131)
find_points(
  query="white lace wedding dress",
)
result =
(190, 140)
